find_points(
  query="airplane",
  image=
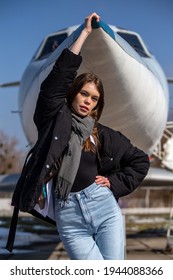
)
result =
(136, 88)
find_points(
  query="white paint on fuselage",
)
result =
(136, 93)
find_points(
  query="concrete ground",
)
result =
(137, 248)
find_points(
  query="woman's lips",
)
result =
(84, 108)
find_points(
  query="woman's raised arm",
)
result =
(76, 48)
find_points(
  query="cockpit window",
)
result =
(134, 41)
(51, 43)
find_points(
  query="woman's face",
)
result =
(86, 100)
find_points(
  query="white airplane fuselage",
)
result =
(136, 91)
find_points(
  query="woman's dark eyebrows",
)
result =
(85, 91)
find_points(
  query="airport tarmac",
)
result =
(39, 241)
(137, 248)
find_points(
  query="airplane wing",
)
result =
(158, 176)
(170, 80)
(8, 182)
(11, 84)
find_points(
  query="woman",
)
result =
(91, 165)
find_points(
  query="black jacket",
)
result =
(124, 165)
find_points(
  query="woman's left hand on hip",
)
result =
(101, 180)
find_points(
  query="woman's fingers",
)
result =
(101, 180)
(91, 16)
(88, 21)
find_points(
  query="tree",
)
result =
(11, 158)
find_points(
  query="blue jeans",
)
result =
(90, 224)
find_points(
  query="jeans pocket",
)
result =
(101, 193)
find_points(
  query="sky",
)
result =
(24, 24)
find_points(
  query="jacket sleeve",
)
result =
(55, 87)
(130, 170)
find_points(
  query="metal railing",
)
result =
(159, 151)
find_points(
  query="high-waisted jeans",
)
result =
(90, 224)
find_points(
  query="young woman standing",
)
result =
(91, 164)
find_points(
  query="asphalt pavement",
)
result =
(137, 248)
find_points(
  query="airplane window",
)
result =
(51, 44)
(134, 41)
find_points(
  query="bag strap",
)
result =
(14, 219)
(12, 231)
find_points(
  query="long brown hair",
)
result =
(75, 88)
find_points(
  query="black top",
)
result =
(87, 171)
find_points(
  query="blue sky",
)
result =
(24, 23)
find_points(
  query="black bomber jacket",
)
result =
(124, 165)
